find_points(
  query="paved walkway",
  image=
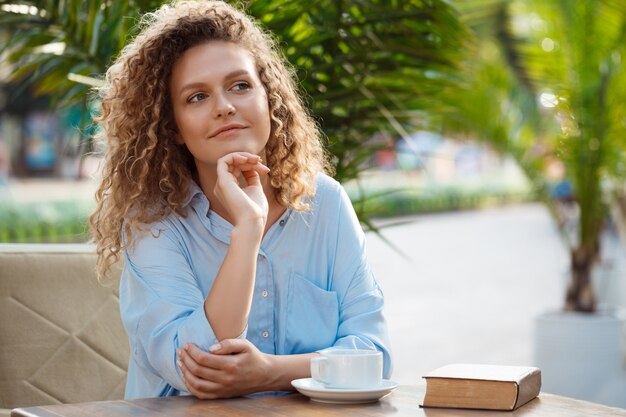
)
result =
(472, 286)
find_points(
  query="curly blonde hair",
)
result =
(146, 174)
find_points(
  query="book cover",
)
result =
(486, 387)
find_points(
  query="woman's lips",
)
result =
(227, 130)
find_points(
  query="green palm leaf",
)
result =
(365, 66)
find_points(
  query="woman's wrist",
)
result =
(274, 374)
(285, 368)
(250, 230)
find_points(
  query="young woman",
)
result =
(241, 257)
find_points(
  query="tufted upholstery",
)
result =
(61, 337)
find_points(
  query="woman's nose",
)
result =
(224, 108)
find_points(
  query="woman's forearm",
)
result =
(286, 368)
(228, 304)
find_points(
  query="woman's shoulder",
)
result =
(161, 213)
(329, 196)
(168, 217)
(326, 185)
(331, 210)
(166, 225)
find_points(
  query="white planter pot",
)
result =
(581, 356)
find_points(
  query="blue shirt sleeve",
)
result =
(162, 304)
(361, 321)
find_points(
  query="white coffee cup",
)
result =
(348, 368)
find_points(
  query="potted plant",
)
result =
(546, 83)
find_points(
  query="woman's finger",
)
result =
(199, 387)
(216, 368)
(235, 163)
(240, 157)
(213, 361)
(199, 371)
(231, 346)
(256, 170)
(249, 167)
(249, 172)
(192, 354)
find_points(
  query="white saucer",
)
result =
(316, 391)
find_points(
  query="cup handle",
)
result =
(318, 369)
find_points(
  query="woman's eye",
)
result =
(240, 86)
(197, 97)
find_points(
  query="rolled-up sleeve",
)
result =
(361, 321)
(162, 304)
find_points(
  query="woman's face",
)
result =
(219, 103)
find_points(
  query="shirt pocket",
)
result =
(312, 316)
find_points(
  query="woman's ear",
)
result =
(179, 139)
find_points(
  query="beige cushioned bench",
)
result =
(61, 337)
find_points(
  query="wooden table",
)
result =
(404, 401)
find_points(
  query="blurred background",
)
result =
(481, 141)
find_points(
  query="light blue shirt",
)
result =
(313, 287)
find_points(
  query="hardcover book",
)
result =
(486, 387)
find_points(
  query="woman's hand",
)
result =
(234, 367)
(239, 188)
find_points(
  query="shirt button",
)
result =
(282, 222)
(265, 334)
(265, 293)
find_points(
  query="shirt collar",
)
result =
(194, 190)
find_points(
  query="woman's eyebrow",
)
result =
(191, 86)
(199, 84)
(236, 73)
